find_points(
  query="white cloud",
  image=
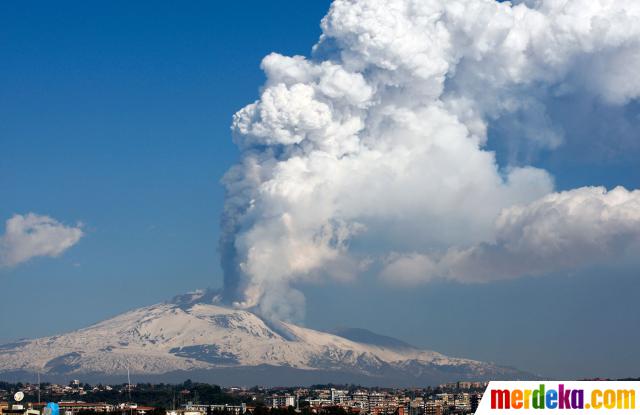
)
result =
(375, 146)
(560, 231)
(29, 236)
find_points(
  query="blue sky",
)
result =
(117, 115)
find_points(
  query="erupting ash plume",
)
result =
(372, 153)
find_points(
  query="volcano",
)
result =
(194, 337)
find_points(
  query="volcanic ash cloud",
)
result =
(373, 151)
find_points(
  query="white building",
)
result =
(339, 396)
(280, 401)
(361, 399)
(377, 400)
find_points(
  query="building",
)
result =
(207, 409)
(184, 412)
(323, 393)
(433, 408)
(302, 392)
(77, 406)
(232, 409)
(472, 385)
(338, 396)
(360, 399)
(17, 409)
(380, 403)
(280, 401)
(416, 407)
(376, 399)
(448, 399)
(318, 403)
(73, 407)
(462, 402)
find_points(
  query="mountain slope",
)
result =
(185, 337)
(368, 337)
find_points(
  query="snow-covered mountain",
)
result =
(206, 341)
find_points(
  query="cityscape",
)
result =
(458, 398)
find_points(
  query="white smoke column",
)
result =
(375, 145)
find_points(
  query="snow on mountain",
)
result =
(188, 336)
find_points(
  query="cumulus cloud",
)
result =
(375, 147)
(29, 236)
(560, 231)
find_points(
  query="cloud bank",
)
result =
(560, 231)
(29, 236)
(374, 149)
